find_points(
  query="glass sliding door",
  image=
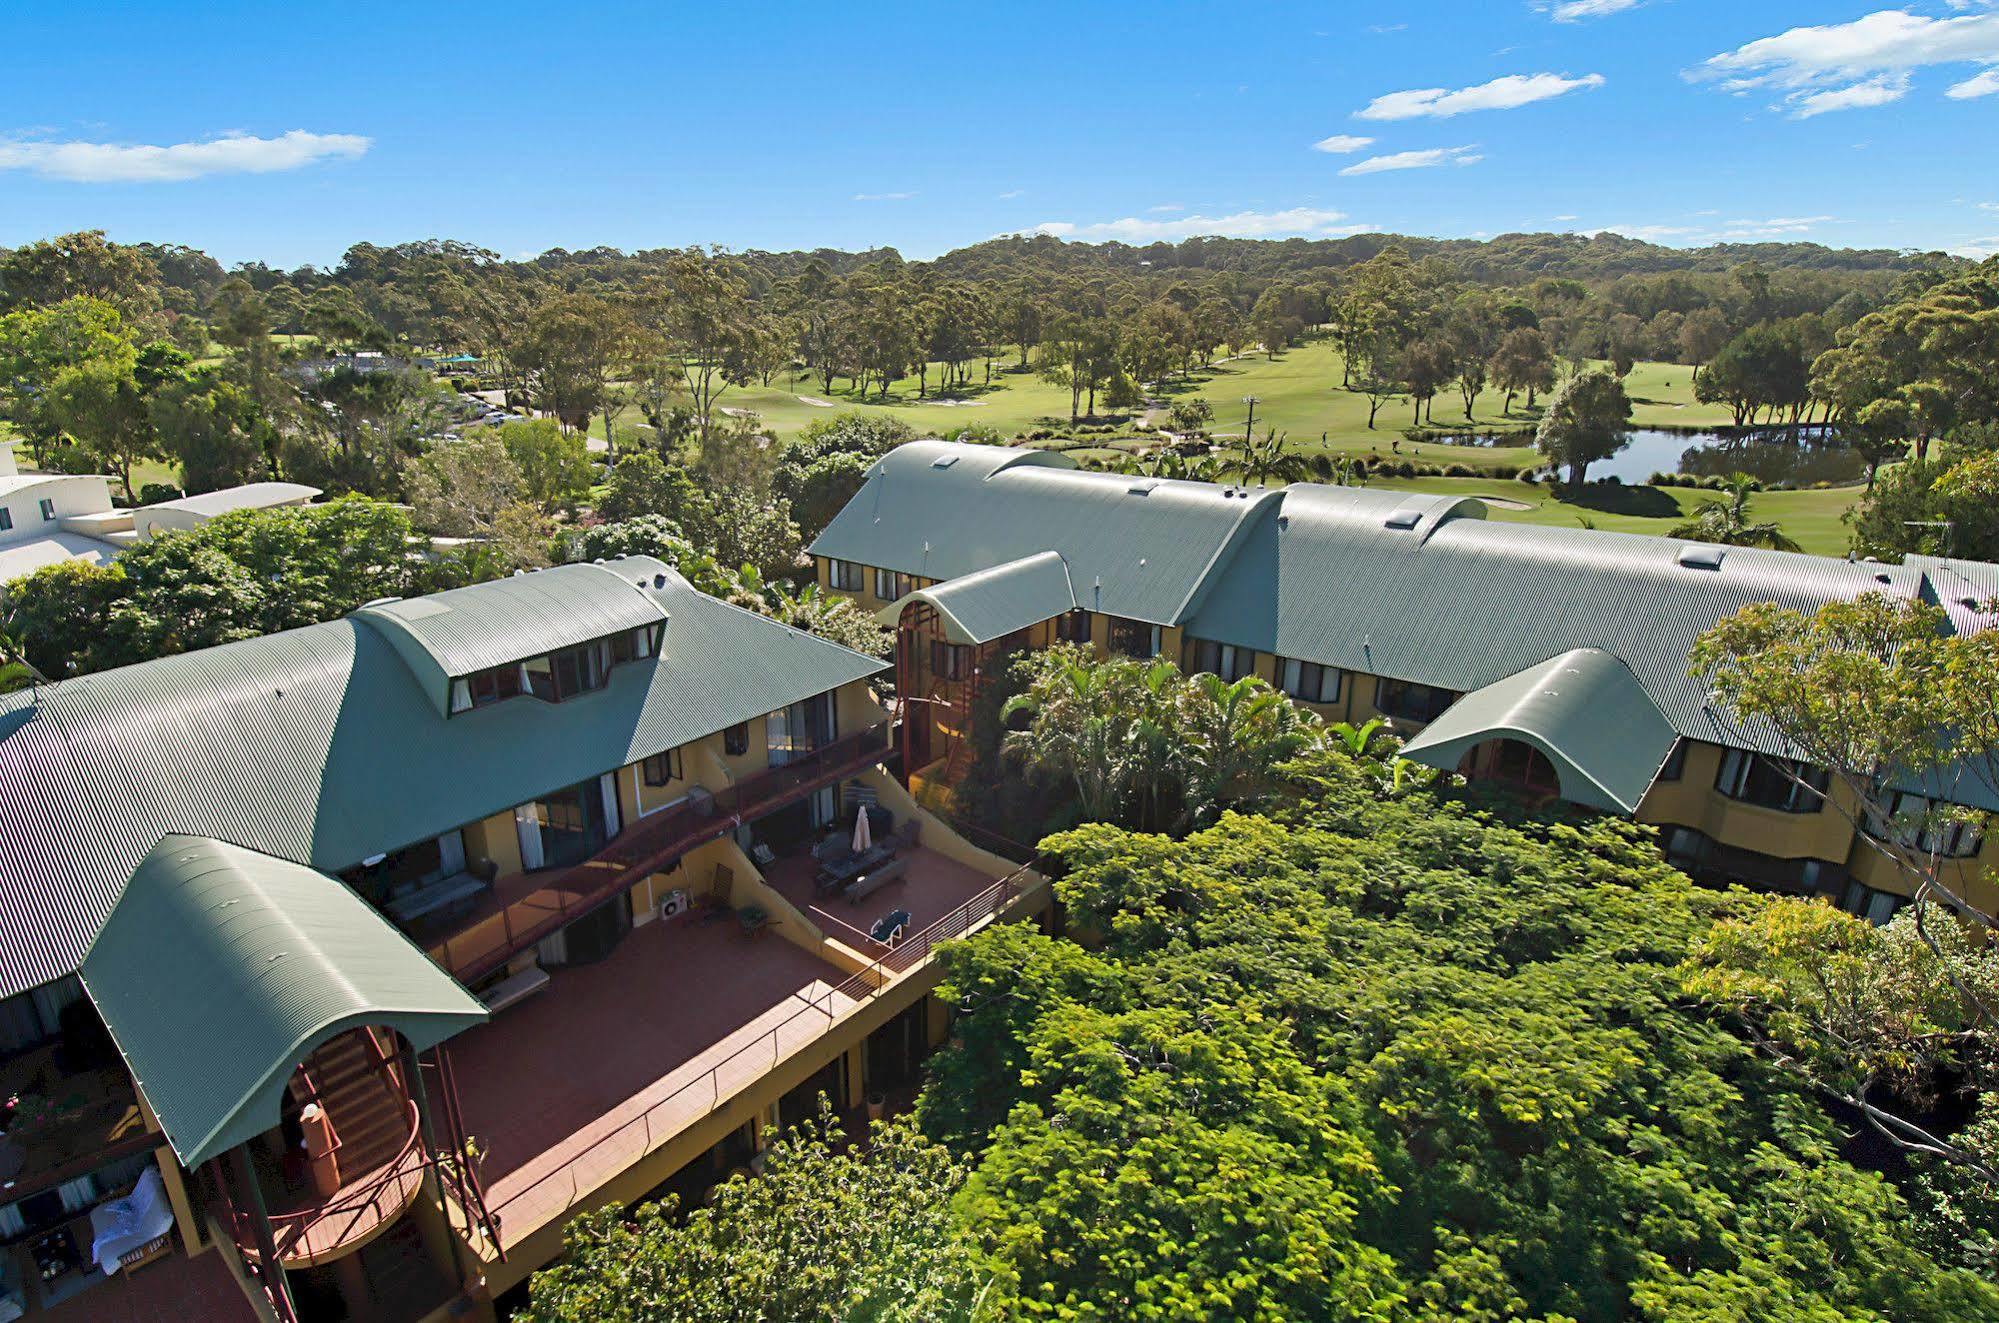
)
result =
(793, 732)
(570, 825)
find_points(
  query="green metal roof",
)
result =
(220, 969)
(452, 634)
(317, 745)
(1584, 709)
(990, 604)
(1135, 547)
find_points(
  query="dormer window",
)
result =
(556, 676)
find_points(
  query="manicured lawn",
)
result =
(1811, 517)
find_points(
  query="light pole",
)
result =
(1249, 428)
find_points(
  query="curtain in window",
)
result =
(527, 828)
(608, 784)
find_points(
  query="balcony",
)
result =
(69, 1119)
(321, 1230)
(569, 1089)
(522, 909)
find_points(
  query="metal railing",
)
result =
(612, 1153)
(645, 847)
(351, 1206)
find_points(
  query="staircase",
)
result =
(363, 1098)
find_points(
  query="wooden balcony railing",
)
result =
(649, 845)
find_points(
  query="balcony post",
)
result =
(269, 1270)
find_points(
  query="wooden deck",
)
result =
(575, 1085)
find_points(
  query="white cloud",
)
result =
(1572, 11)
(1507, 93)
(231, 154)
(1562, 220)
(1978, 249)
(1011, 194)
(883, 197)
(1341, 144)
(1166, 208)
(1649, 233)
(1873, 92)
(1416, 160)
(1988, 206)
(1311, 222)
(1867, 62)
(1980, 84)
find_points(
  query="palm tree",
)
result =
(1726, 521)
(1105, 726)
(1231, 736)
(1265, 460)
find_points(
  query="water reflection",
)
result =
(1776, 457)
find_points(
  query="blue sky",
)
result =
(285, 133)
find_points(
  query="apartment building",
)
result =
(340, 968)
(1552, 658)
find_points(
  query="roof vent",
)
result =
(1143, 487)
(944, 461)
(1404, 519)
(1701, 556)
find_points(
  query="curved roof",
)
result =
(220, 969)
(1138, 548)
(990, 604)
(1584, 709)
(246, 496)
(1461, 602)
(316, 745)
(452, 634)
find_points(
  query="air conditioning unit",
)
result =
(673, 904)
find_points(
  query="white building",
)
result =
(51, 517)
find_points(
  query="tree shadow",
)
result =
(1623, 499)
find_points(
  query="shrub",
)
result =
(1460, 471)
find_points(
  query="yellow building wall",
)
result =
(1692, 801)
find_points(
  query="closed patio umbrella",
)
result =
(864, 838)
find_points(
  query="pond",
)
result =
(1773, 456)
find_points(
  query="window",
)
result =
(1223, 659)
(1676, 763)
(844, 575)
(6, 519)
(950, 661)
(483, 687)
(1921, 824)
(569, 672)
(1134, 638)
(661, 768)
(736, 739)
(1073, 627)
(632, 645)
(1308, 682)
(48, 509)
(1771, 783)
(890, 586)
(1412, 702)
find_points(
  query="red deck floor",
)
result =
(554, 1088)
(176, 1289)
(931, 889)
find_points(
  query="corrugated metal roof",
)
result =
(1138, 549)
(451, 634)
(1584, 709)
(1463, 602)
(220, 969)
(1412, 586)
(315, 745)
(991, 604)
